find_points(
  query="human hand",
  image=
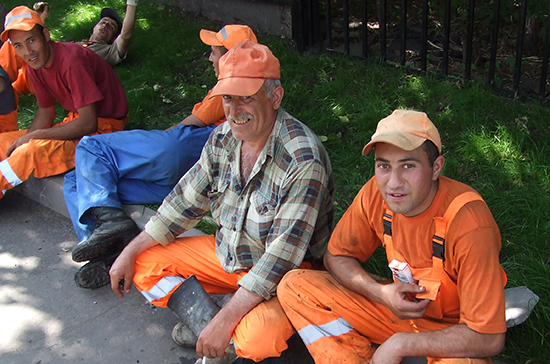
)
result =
(132, 2)
(387, 353)
(19, 142)
(122, 273)
(399, 298)
(213, 340)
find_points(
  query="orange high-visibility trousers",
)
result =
(339, 326)
(160, 270)
(42, 157)
(8, 122)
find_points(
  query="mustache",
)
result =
(244, 116)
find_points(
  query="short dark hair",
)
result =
(431, 150)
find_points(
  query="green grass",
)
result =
(497, 145)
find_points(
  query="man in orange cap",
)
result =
(267, 180)
(78, 79)
(135, 167)
(110, 39)
(447, 299)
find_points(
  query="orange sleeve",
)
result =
(210, 111)
(10, 62)
(357, 234)
(475, 267)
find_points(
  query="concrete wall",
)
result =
(273, 17)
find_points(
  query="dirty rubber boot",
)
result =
(113, 229)
(95, 273)
(183, 336)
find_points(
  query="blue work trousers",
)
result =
(129, 167)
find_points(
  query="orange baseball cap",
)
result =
(228, 36)
(244, 69)
(406, 129)
(20, 18)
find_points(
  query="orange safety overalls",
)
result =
(43, 157)
(338, 325)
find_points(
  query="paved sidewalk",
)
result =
(47, 319)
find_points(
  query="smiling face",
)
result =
(105, 31)
(405, 179)
(251, 118)
(34, 46)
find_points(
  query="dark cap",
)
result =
(110, 13)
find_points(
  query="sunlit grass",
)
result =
(499, 146)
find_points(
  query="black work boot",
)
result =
(113, 230)
(95, 273)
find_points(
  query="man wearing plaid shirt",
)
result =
(267, 180)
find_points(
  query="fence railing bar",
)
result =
(545, 57)
(424, 35)
(365, 29)
(328, 24)
(346, 26)
(403, 32)
(446, 37)
(383, 30)
(519, 45)
(494, 44)
(469, 41)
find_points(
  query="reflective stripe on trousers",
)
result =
(9, 174)
(312, 333)
(163, 288)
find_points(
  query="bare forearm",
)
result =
(138, 245)
(42, 119)
(349, 272)
(191, 120)
(457, 341)
(128, 26)
(240, 304)
(69, 131)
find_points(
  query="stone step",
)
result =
(48, 191)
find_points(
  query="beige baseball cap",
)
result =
(406, 129)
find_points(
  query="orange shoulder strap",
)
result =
(442, 223)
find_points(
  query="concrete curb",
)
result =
(48, 191)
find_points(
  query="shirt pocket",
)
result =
(261, 214)
(216, 196)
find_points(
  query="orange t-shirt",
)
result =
(210, 111)
(472, 247)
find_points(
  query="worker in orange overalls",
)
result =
(110, 39)
(77, 78)
(447, 299)
(8, 104)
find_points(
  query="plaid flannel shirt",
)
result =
(283, 213)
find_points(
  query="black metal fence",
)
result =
(504, 43)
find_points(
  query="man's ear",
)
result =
(437, 167)
(46, 34)
(277, 97)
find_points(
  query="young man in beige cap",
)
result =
(135, 167)
(267, 180)
(447, 299)
(76, 78)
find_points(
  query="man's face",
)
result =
(105, 30)
(405, 179)
(251, 118)
(33, 47)
(215, 56)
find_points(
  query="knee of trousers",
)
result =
(263, 332)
